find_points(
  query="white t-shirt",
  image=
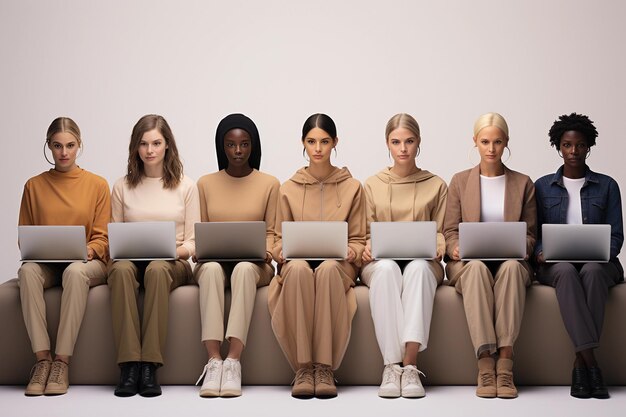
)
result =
(492, 199)
(574, 210)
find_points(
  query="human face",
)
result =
(64, 147)
(152, 150)
(403, 146)
(238, 146)
(491, 142)
(574, 149)
(319, 145)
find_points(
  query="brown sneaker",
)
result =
(303, 384)
(38, 378)
(324, 382)
(486, 378)
(505, 386)
(58, 381)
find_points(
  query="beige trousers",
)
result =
(145, 343)
(494, 294)
(76, 279)
(312, 311)
(243, 278)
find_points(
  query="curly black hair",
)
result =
(576, 122)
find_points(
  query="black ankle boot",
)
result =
(129, 379)
(148, 385)
(580, 383)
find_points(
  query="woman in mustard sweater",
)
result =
(237, 192)
(493, 292)
(64, 195)
(402, 293)
(154, 189)
(312, 303)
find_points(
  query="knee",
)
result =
(328, 267)
(476, 271)
(157, 268)
(386, 273)
(121, 273)
(209, 272)
(28, 274)
(244, 273)
(75, 274)
(591, 269)
(296, 270)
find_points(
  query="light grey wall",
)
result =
(105, 64)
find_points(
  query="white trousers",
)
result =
(401, 303)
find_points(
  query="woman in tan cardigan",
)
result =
(493, 292)
(312, 303)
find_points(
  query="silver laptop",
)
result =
(404, 240)
(315, 240)
(52, 243)
(492, 241)
(576, 242)
(142, 241)
(230, 241)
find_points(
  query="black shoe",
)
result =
(148, 385)
(129, 379)
(580, 383)
(596, 383)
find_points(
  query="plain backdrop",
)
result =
(107, 63)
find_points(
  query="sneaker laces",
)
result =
(228, 372)
(304, 376)
(39, 372)
(210, 370)
(324, 375)
(487, 379)
(57, 371)
(411, 374)
(391, 374)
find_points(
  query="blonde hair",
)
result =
(491, 119)
(403, 120)
(63, 124)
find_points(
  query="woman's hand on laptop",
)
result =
(367, 253)
(439, 256)
(351, 255)
(182, 252)
(281, 259)
(455, 254)
(91, 254)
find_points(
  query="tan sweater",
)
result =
(339, 197)
(149, 201)
(251, 198)
(417, 197)
(77, 197)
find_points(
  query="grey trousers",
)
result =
(582, 290)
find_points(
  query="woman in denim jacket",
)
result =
(581, 288)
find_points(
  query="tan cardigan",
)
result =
(464, 206)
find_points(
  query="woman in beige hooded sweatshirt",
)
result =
(312, 303)
(402, 293)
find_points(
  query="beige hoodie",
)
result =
(338, 197)
(418, 197)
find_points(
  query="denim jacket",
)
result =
(600, 200)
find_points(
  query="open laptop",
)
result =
(52, 243)
(230, 241)
(142, 241)
(315, 240)
(576, 242)
(404, 240)
(492, 241)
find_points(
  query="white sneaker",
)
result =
(231, 378)
(212, 374)
(390, 387)
(411, 385)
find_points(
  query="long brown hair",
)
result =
(172, 166)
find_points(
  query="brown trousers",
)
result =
(312, 307)
(76, 279)
(243, 278)
(159, 278)
(494, 295)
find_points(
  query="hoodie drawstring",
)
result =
(303, 198)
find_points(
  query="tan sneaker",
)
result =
(38, 378)
(505, 386)
(303, 384)
(486, 378)
(58, 381)
(324, 382)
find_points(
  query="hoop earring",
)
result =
(509, 157)
(44, 153)
(389, 155)
(558, 151)
(304, 155)
(469, 155)
(335, 149)
(81, 150)
(419, 150)
(588, 153)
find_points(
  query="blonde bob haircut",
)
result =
(403, 120)
(491, 119)
(63, 124)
